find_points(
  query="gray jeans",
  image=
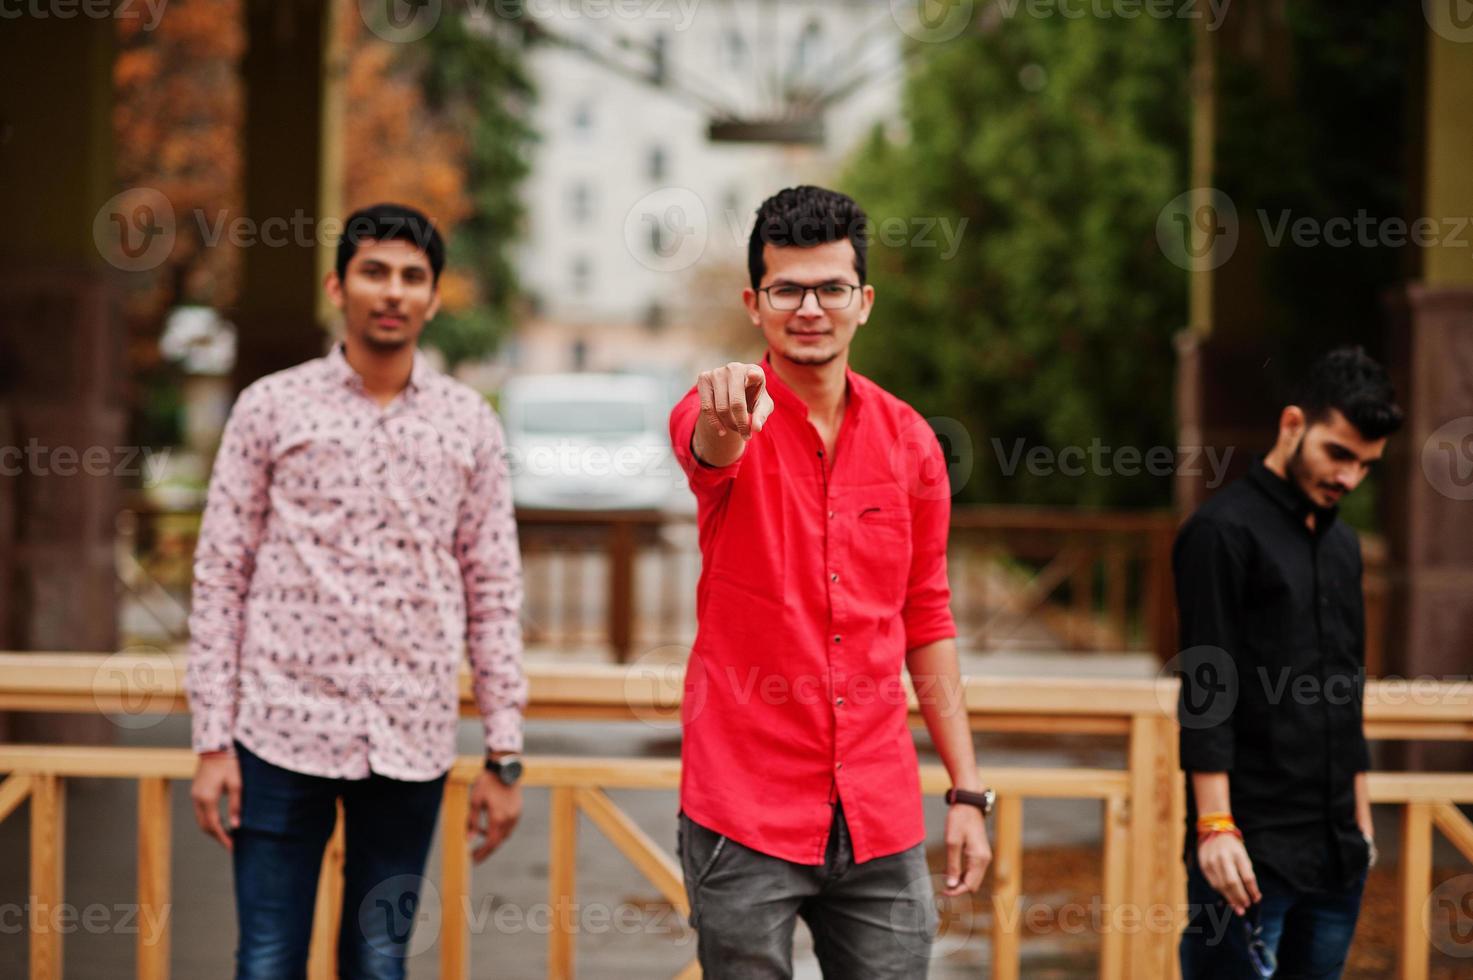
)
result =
(870, 921)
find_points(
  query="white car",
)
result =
(591, 442)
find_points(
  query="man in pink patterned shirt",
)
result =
(358, 536)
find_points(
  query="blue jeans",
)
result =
(286, 819)
(1308, 933)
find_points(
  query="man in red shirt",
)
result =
(823, 514)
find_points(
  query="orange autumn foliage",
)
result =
(178, 111)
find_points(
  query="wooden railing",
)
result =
(1141, 805)
(624, 580)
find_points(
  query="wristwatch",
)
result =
(508, 769)
(982, 801)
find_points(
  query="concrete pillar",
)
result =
(1227, 389)
(1432, 491)
(60, 351)
(289, 97)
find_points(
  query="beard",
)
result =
(810, 358)
(1299, 470)
(386, 344)
(813, 359)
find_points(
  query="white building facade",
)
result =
(635, 247)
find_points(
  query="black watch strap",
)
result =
(982, 801)
(508, 770)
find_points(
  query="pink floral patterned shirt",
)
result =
(349, 554)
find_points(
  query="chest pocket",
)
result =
(879, 543)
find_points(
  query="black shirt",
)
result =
(1273, 670)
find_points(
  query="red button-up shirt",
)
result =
(818, 574)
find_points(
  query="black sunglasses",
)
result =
(1263, 958)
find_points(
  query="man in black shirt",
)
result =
(1268, 587)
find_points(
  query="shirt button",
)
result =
(833, 576)
(839, 702)
(838, 766)
(831, 515)
(837, 639)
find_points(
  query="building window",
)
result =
(810, 48)
(658, 163)
(580, 203)
(733, 50)
(583, 117)
(660, 59)
(581, 275)
(658, 238)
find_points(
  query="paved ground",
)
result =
(628, 933)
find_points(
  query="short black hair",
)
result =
(388, 222)
(1348, 380)
(806, 216)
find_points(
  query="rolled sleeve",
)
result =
(1360, 749)
(234, 521)
(927, 613)
(1210, 570)
(490, 564)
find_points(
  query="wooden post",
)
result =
(1160, 596)
(48, 865)
(322, 960)
(1007, 888)
(1082, 599)
(621, 588)
(561, 881)
(1175, 830)
(154, 864)
(455, 881)
(1116, 882)
(1416, 877)
(1152, 840)
(1116, 583)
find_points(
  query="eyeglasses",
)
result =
(1263, 958)
(830, 295)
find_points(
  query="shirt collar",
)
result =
(1286, 494)
(783, 395)
(340, 370)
